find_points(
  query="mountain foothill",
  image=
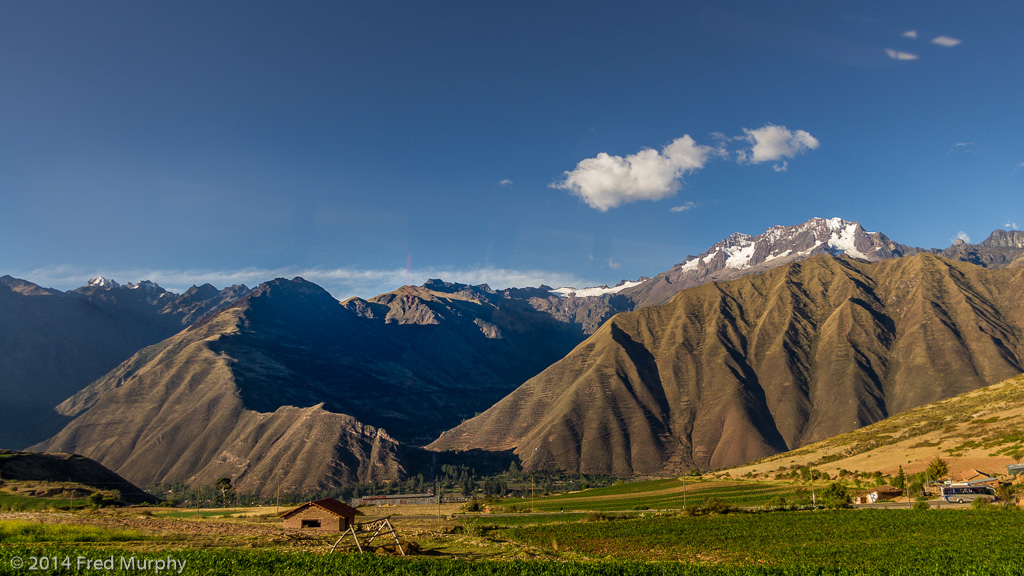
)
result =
(759, 345)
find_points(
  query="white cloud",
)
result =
(607, 181)
(962, 236)
(945, 41)
(1011, 226)
(505, 182)
(683, 208)
(968, 148)
(614, 265)
(773, 143)
(342, 283)
(898, 55)
(910, 33)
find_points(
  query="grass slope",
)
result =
(981, 430)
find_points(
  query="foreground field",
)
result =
(840, 542)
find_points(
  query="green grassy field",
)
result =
(891, 541)
(15, 531)
(841, 543)
(18, 502)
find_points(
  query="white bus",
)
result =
(961, 493)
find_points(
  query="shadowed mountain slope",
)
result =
(730, 372)
(174, 413)
(55, 343)
(20, 467)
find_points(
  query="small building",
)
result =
(326, 514)
(975, 476)
(1015, 469)
(883, 493)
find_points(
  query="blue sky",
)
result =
(366, 145)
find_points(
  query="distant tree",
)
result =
(224, 486)
(835, 496)
(938, 468)
(915, 488)
(1017, 454)
(900, 481)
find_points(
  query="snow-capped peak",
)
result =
(594, 291)
(817, 235)
(101, 282)
(145, 286)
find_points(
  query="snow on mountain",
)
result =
(594, 291)
(832, 235)
(101, 282)
(145, 286)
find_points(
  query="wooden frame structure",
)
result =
(381, 527)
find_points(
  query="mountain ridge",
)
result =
(809, 350)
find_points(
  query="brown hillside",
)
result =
(982, 429)
(730, 372)
(174, 414)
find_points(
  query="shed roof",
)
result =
(330, 504)
(974, 474)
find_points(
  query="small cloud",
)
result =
(898, 55)
(967, 148)
(772, 143)
(1011, 226)
(781, 167)
(945, 41)
(683, 208)
(505, 182)
(962, 237)
(607, 181)
(614, 265)
(910, 34)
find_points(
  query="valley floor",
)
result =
(252, 541)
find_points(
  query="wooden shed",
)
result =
(326, 514)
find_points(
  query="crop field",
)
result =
(844, 542)
(885, 541)
(661, 495)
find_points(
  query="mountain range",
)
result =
(284, 386)
(55, 343)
